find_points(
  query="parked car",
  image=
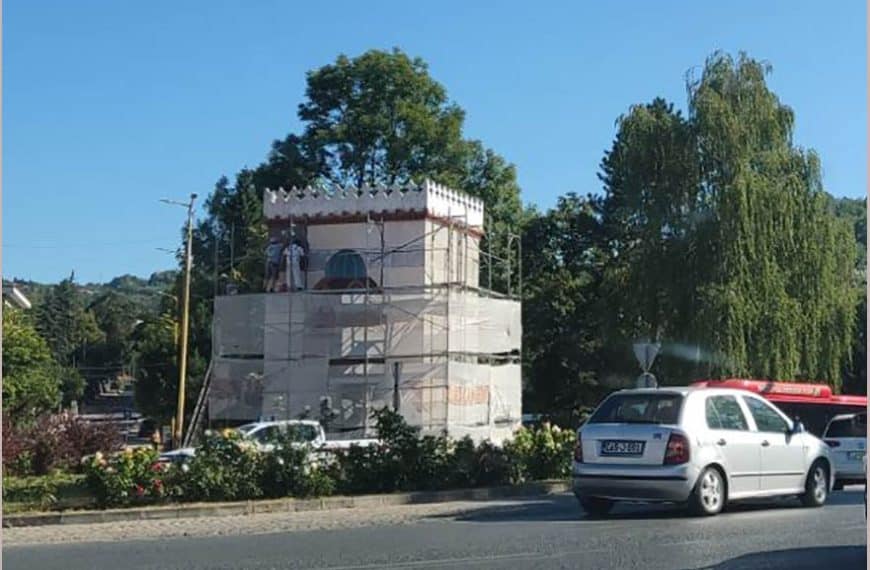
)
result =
(702, 446)
(263, 434)
(846, 435)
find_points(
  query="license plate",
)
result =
(622, 448)
(856, 455)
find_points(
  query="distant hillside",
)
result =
(145, 293)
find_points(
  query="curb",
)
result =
(238, 508)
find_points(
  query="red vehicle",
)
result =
(813, 404)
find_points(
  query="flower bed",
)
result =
(229, 468)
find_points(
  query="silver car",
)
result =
(701, 446)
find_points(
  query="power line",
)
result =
(62, 244)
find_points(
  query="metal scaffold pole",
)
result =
(447, 323)
(465, 255)
(288, 278)
(489, 259)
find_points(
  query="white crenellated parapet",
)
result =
(428, 197)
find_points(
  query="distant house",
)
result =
(14, 298)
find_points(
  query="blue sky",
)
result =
(109, 106)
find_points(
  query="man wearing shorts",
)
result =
(273, 263)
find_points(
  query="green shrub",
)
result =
(292, 470)
(479, 465)
(404, 461)
(542, 453)
(227, 467)
(132, 476)
(361, 470)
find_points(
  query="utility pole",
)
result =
(178, 430)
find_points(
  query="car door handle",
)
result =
(721, 442)
(765, 443)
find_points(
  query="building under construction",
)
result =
(382, 306)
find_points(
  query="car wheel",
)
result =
(595, 506)
(816, 487)
(838, 485)
(708, 497)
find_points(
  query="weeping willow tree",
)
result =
(722, 239)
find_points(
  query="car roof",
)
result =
(686, 390)
(284, 422)
(664, 390)
(842, 417)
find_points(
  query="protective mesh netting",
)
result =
(447, 356)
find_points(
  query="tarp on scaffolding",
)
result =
(447, 357)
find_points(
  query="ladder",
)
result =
(198, 411)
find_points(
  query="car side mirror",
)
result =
(797, 427)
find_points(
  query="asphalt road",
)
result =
(540, 534)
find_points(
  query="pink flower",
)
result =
(140, 491)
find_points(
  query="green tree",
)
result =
(116, 314)
(31, 377)
(781, 294)
(650, 178)
(562, 336)
(723, 243)
(70, 330)
(155, 346)
(380, 119)
(854, 213)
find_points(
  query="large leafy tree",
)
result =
(31, 377)
(781, 295)
(562, 346)
(854, 212)
(724, 247)
(649, 214)
(380, 119)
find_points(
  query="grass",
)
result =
(58, 491)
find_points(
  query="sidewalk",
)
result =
(221, 519)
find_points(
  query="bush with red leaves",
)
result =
(54, 442)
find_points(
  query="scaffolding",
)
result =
(413, 331)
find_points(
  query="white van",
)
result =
(846, 435)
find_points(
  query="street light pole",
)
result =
(185, 313)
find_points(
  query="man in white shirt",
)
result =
(293, 255)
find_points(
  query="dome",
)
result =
(346, 264)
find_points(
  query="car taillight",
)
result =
(832, 442)
(578, 450)
(677, 451)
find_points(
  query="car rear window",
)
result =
(639, 409)
(848, 427)
(303, 433)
